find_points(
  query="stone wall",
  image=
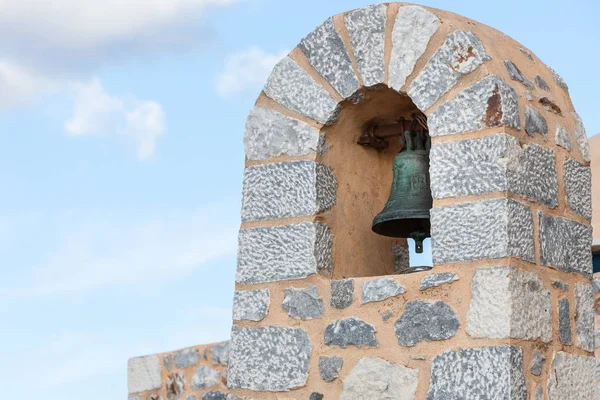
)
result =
(506, 312)
(194, 373)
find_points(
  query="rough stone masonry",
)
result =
(319, 311)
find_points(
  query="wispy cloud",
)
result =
(245, 70)
(93, 253)
(96, 112)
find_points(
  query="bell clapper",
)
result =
(418, 237)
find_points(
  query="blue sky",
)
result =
(121, 164)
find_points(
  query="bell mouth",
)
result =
(402, 228)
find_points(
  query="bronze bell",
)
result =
(406, 213)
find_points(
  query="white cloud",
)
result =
(20, 86)
(246, 70)
(104, 251)
(96, 112)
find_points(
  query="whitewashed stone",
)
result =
(584, 317)
(292, 87)
(413, 28)
(204, 377)
(287, 190)
(329, 367)
(219, 353)
(581, 138)
(484, 373)
(484, 229)
(283, 252)
(486, 104)
(596, 284)
(559, 80)
(375, 378)
(380, 289)
(537, 364)
(303, 303)
(563, 138)
(143, 373)
(516, 75)
(175, 385)
(572, 378)
(251, 305)
(186, 357)
(531, 172)
(424, 321)
(133, 398)
(350, 332)
(461, 53)
(508, 303)
(326, 52)
(268, 358)
(270, 134)
(565, 244)
(342, 293)
(366, 27)
(434, 280)
(578, 187)
(528, 95)
(564, 321)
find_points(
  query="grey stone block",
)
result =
(342, 293)
(541, 83)
(425, 322)
(484, 373)
(527, 53)
(251, 305)
(326, 52)
(470, 167)
(539, 393)
(316, 396)
(486, 104)
(143, 373)
(219, 353)
(303, 303)
(581, 138)
(532, 173)
(584, 317)
(563, 138)
(283, 252)
(516, 75)
(564, 321)
(572, 377)
(565, 244)
(366, 27)
(168, 362)
(461, 53)
(287, 189)
(268, 358)
(537, 364)
(560, 286)
(401, 258)
(596, 285)
(270, 134)
(491, 164)
(483, 229)
(186, 357)
(509, 303)
(205, 377)
(434, 280)
(559, 80)
(175, 385)
(380, 289)
(133, 398)
(528, 95)
(191, 397)
(578, 187)
(413, 28)
(216, 395)
(386, 315)
(330, 367)
(292, 87)
(375, 378)
(535, 122)
(350, 332)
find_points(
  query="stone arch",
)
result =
(379, 62)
